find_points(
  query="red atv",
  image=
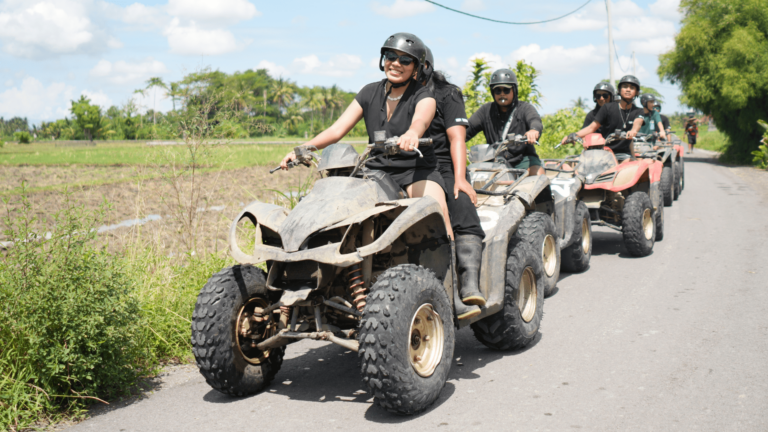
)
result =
(623, 196)
(670, 154)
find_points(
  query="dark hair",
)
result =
(438, 81)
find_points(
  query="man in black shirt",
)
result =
(448, 131)
(620, 115)
(602, 94)
(507, 116)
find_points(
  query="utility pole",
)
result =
(611, 52)
(634, 67)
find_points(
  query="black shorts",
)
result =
(464, 218)
(692, 139)
(409, 176)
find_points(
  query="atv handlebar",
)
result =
(516, 140)
(303, 157)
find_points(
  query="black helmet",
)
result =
(429, 67)
(604, 86)
(645, 98)
(409, 44)
(657, 107)
(503, 76)
(631, 80)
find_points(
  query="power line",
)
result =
(615, 51)
(508, 22)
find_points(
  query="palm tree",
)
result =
(579, 102)
(175, 92)
(293, 120)
(333, 99)
(313, 100)
(282, 92)
(143, 93)
(155, 82)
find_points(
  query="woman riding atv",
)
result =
(621, 115)
(448, 131)
(402, 107)
(602, 94)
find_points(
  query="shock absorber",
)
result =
(285, 315)
(357, 286)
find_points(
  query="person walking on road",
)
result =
(691, 131)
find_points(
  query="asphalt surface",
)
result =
(674, 341)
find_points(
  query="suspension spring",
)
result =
(285, 315)
(357, 286)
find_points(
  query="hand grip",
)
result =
(273, 170)
(425, 141)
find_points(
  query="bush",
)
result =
(22, 137)
(556, 126)
(70, 328)
(760, 156)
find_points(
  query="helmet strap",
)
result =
(398, 85)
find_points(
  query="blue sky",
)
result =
(52, 51)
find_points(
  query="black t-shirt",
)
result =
(665, 122)
(450, 112)
(591, 117)
(490, 120)
(611, 117)
(373, 99)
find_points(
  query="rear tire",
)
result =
(668, 185)
(226, 366)
(639, 229)
(678, 180)
(659, 216)
(539, 230)
(515, 327)
(389, 331)
(682, 174)
(576, 256)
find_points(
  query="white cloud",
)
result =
(34, 100)
(375, 63)
(274, 70)
(144, 16)
(194, 40)
(472, 5)
(9, 83)
(494, 60)
(217, 13)
(98, 98)
(122, 72)
(402, 8)
(643, 27)
(340, 65)
(36, 29)
(624, 67)
(557, 59)
(653, 46)
(667, 8)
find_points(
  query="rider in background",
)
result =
(448, 131)
(664, 119)
(601, 94)
(402, 107)
(621, 115)
(651, 117)
(691, 130)
(517, 117)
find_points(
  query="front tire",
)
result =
(659, 216)
(576, 256)
(227, 361)
(668, 185)
(539, 230)
(406, 339)
(517, 324)
(639, 229)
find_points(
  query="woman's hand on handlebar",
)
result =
(408, 141)
(631, 134)
(289, 157)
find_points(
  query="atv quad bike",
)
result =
(624, 197)
(649, 146)
(359, 264)
(551, 205)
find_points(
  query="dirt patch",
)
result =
(228, 193)
(38, 176)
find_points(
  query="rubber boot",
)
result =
(462, 311)
(469, 253)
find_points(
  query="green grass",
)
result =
(714, 141)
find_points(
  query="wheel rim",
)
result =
(586, 236)
(648, 223)
(251, 329)
(526, 295)
(425, 340)
(549, 255)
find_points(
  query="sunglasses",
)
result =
(404, 60)
(603, 95)
(501, 90)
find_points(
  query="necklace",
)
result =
(621, 114)
(395, 99)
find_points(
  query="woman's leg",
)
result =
(430, 188)
(536, 170)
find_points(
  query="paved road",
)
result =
(674, 341)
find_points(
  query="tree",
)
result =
(155, 82)
(720, 60)
(580, 102)
(313, 100)
(282, 92)
(87, 116)
(333, 99)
